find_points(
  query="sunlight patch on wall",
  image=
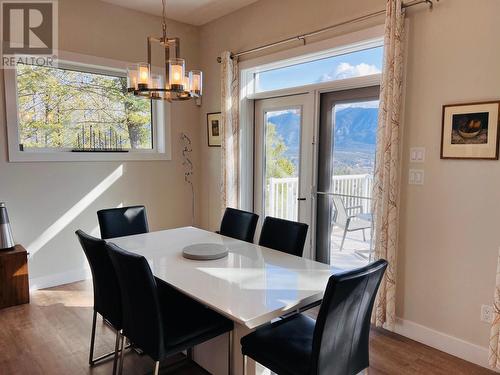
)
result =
(74, 211)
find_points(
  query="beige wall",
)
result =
(449, 227)
(39, 194)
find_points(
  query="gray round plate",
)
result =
(205, 251)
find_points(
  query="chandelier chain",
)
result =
(164, 21)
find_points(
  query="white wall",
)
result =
(449, 227)
(41, 197)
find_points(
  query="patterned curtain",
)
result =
(495, 326)
(387, 164)
(230, 100)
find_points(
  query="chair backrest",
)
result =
(239, 224)
(340, 343)
(340, 210)
(142, 319)
(107, 300)
(123, 221)
(283, 235)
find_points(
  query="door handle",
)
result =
(301, 199)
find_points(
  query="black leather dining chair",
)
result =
(158, 319)
(122, 221)
(336, 343)
(107, 300)
(283, 235)
(238, 224)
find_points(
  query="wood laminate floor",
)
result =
(51, 336)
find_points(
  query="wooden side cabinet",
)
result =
(14, 284)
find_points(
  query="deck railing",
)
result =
(282, 197)
(282, 194)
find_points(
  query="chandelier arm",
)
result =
(167, 58)
(149, 51)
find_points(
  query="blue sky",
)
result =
(338, 67)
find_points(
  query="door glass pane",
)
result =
(354, 147)
(282, 161)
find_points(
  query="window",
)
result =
(55, 113)
(348, 65)
(69, 109)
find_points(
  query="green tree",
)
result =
(277, 164)
(56, 104)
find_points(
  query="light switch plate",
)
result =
(416, 177)
(417, 154)
(487, 313)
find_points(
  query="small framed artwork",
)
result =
(470, 131)
(214, 129)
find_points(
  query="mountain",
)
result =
(355, 128)
(355, 138)
(288, 127)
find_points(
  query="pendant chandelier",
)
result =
(141, 81)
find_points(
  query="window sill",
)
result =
(48, 156)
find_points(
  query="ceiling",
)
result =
(194, 12)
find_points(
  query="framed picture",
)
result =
(470, 131)
(214, 129)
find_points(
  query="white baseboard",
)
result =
(59, 279)
(449, 344)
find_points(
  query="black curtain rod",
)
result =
(302, 38)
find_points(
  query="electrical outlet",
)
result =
(487, 314)
(416, 177)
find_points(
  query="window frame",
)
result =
(372, 36)
(160, 112)
(251, 69)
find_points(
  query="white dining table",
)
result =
(251, 286)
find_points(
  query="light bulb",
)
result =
(176, 74)
(143, 76)
(196, 82)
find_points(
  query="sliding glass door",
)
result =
(346, 160)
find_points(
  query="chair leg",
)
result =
(92, 340)
(244, 365)
(230, 353)
(117, 353)
(189, 353)
(370, 254)
(122, 352)
(364, 236)
(156, 369)
(343, 239)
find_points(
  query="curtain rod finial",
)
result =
(431, 3)
(219, 59)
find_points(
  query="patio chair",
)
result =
(349, 222)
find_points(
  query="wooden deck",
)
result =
(348, 256)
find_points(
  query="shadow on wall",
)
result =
(46, 224)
